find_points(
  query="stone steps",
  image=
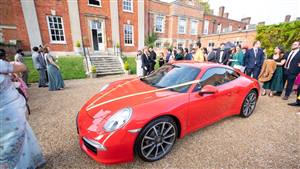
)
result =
(107, 65)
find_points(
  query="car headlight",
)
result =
(104, 87)
(118, 120)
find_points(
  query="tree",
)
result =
(150, 39)
(283, 34)
(206, 6)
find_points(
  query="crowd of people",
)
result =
(276, 72)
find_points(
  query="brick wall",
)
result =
(61, 9)
(247, 38)
(12, 15)
(132, 19)
(88, 12)
(215, 20)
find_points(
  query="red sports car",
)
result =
(145, 116)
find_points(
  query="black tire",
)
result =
(156, 139)
(249, 104)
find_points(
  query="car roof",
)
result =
(200, 64)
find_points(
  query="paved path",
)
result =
(270, 138)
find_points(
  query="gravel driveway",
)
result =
(270, 138)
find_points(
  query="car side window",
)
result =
(216, 77)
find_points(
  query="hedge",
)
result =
(283, 34)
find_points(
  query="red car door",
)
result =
(208, 108)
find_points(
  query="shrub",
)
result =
(93, 69)
(150, 40)
(77, 44)
(126, 66)
(283, 34)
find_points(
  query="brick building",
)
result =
(102, 25)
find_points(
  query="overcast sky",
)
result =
(270, 11)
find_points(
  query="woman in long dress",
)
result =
(139, 69)
(56, 81)
(276, 84)
(18, 146)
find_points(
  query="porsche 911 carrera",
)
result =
(145, 116)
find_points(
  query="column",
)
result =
(141, 24)
(74, 22)
(31, 21)
(114, 22)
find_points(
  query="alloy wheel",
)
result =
(249, 104)
(158, 141)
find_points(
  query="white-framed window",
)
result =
(56, 29)
(219, 28)
(194, 26)
(230, 28)
(128, 35)
(238, 42)
(158, 44)
(128, 5)
(182, 25)
(206, 27)
(159, 24)
(96, 3)
(180, 44)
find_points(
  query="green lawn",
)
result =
(132, 64)
(71, 67)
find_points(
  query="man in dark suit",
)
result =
(152, 59)
(254, 59)
(291, 68)
(222, 55)
(211, 56)
(145, 62)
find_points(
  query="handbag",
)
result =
(297, 80)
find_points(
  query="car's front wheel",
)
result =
(156, 139)
(249, 104)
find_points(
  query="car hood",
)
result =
(122, 94)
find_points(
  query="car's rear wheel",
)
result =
(156, 139)
(249, 104)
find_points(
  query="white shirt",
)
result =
(290, 58)
(221, 56)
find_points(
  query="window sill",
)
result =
(127, 11)
(97, 6)
(181, 33)
(58, 43)
(129, 45)
(158, 32)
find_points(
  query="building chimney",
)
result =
(221, 11)
(246, 20)
(261, 23)
(287, 18)
(226, 15)
(211, 11)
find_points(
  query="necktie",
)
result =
(287, 64)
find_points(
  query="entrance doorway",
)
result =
(97, 29)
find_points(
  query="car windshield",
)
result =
(171, 75)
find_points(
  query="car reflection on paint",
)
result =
(145, 116)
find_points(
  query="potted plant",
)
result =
(93, 73)
(77, 47)
(126, 67)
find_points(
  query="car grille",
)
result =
(89, 146)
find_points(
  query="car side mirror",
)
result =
(208, 89)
